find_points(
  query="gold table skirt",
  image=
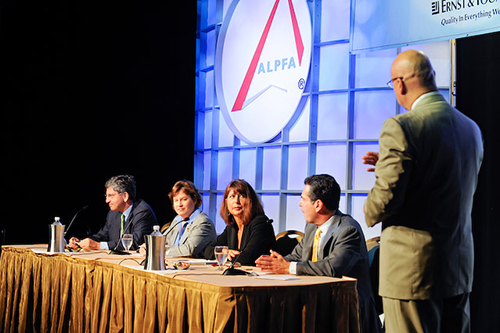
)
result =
(62, 293)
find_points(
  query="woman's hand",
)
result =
(231, 254)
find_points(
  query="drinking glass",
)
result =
(221, 255)
(127, 240)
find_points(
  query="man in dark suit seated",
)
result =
(333, 245)
(127, 215)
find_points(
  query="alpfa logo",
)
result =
(445, 6)
(251, 69)
(262, 65)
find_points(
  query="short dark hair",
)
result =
(189, 188)
(122, 184)
(325, 188)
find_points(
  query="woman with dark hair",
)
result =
(191, 230)
(248, 233)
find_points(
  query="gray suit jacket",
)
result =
(199, 233)
(425, 181)
(343, 253)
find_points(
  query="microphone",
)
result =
(233, 271)
(74, 217)
(176, 223)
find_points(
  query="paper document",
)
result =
(277, 277)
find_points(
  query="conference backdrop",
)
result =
(385, 23)
(280, 97)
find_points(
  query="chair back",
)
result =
(287, 240)
(373, 247)
(165, 227)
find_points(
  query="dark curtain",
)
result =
(89, 90)
(478, 71)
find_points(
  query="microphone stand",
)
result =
(73, 219)
(176, 223)
(234, 271)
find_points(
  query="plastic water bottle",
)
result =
(56, 240)
(155, 250)
(156, 231)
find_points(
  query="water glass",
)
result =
(127, 240)
(221, 253)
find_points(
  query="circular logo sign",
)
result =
(262, 65)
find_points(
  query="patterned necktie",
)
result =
(123, 224)
(317, 236)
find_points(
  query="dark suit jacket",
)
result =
(344, 253)
(425, 181)
(139, 223)
(257, 239)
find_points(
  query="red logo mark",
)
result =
(242, 94)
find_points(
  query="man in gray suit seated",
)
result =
(333, 245)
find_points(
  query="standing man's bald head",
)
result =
(412, 75)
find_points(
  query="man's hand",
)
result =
(73, 243)
(370, 158)
(88, 244)
(142, 249)
(274, 263)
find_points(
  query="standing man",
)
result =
(426, 175)
(127, 215)
(333, 245)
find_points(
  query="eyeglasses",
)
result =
(390, 84)
(111, 196)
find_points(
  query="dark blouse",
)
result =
(257, 239)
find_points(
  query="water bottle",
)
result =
(155, 250)
(56, 241)
(156, 231)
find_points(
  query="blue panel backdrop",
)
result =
(344, 105)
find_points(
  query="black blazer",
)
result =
(257, 239)
(139, 223)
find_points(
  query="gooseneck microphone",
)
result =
(74, 217)
(233, 271)
(175, 224)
